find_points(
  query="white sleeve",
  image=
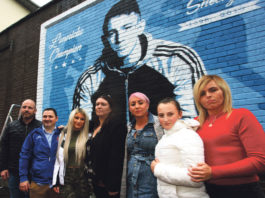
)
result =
(182, 66)
(88, 88)
(55, 171)
(58, 167)
(191, 153)
(87, 85)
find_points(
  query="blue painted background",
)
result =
(233, 48)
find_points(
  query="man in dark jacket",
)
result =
(12, 140)
(37, 157)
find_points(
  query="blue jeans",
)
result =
(13, 185)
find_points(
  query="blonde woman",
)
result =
(69, 165)
(234, 143)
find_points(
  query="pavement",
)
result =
(4, 192)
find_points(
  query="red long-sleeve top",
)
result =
(234, 148)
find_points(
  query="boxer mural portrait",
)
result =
(161, 49)
(134, 61)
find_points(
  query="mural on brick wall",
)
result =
(160, 48)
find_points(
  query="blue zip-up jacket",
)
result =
(37, 156)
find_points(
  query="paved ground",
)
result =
(4, 193)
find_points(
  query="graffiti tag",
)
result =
(59, 39)
(193, 7)
(237, 10)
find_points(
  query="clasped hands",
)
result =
(199, 173)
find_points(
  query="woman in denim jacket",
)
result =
(143, 135)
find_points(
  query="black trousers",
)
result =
(251, 190)
(101, 192)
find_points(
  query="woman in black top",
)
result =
(105, 149)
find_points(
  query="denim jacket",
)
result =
(139, 180)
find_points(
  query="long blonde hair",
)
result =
(198, 88)
(80, 146)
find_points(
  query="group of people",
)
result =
(218, 154)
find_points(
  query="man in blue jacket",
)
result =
(38, 155)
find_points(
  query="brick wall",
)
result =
(19, 52)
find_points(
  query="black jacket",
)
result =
(144, 79)
(107, 154)
(12, 141)
(165, 69)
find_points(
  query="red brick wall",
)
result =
(19, 52)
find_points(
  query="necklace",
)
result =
(211, 123)
(212, 119)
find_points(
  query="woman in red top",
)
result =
(234, 143)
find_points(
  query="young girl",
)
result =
(179, 149)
